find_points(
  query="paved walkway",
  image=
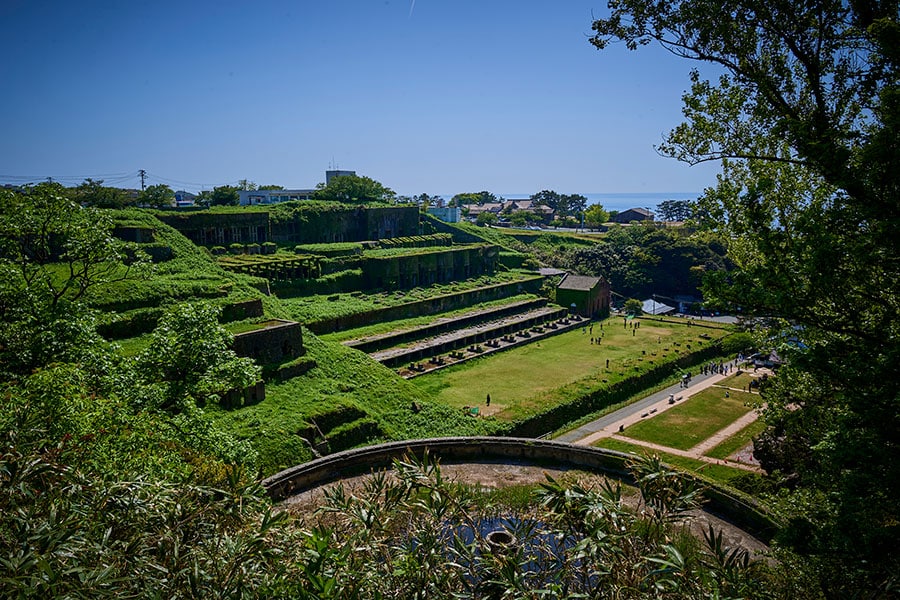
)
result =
(612, 424)
(628, 415)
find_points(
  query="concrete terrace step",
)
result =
(440, 325)
(496, 335)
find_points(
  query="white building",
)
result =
(253, 197)
(449, 214)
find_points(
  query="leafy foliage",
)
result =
(190, 357)
(93, 193)
(54, 247)
(675, 210)
(416, 534)
(157, 196)
(353, 189)
(564, 205)
(644, 260)
(595, 215)
(805, 122)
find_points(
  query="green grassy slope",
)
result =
(345, 378)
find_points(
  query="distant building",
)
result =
(542, 212)
(448, 214)
(590, 296)
(183, 198)
(329, 175)
(632, 214)
(254, 197)
(491, 207)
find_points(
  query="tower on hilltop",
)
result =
(331, 174)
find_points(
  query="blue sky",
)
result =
(435, 96)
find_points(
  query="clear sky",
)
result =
(433, 96)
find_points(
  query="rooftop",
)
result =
(578, 282)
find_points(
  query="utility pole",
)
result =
(143, 175)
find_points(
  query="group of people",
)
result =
(717, 368)
(590, 330)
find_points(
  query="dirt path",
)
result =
(688, 454)
(614, 427)
(654, 409)
(724, 433)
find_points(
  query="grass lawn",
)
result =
(719, 473)
(738, 440)
(134, 346)
(686, 425)
(738, 380)
(524, 380)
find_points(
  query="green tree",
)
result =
(224, 195)
(483, 197)
(52, 252)
(550, 199)
(157, 196)
(519, 218)
(93, 193)
(486, 218)
(190, 358)
(573, 204)
(805, 123)
(595, 216)
(675, 210)
(633, 306)
(52, 246)
(563, 204)
(353, 189)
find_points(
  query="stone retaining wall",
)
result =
(278, 340)
(720, 501)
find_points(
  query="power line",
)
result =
(113, 179)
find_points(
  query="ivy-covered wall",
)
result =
(312, 223)
(278, 341)
(427, 268)
(207, 228)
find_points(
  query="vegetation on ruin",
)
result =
(342, 378)
(410, 323)
(318, 308)
(122, 474)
